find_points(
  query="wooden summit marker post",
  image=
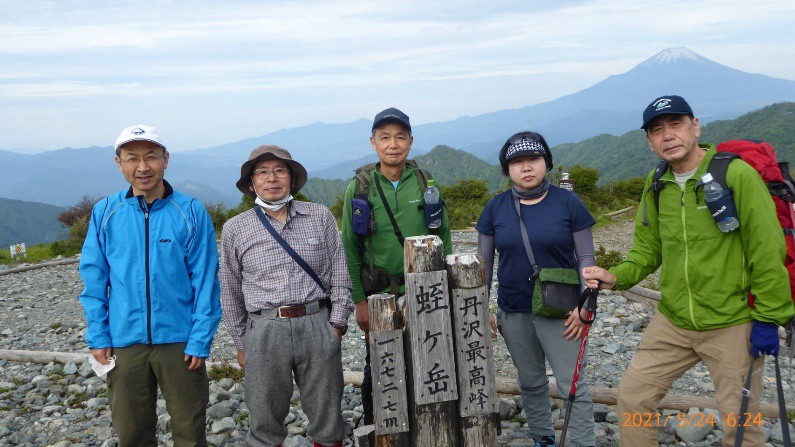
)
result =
(433, 389)
(389, 372)
(478, 402)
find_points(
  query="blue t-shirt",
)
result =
(550, 224)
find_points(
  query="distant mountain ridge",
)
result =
(616, 158)
(448, 166)
(612, 106)
(347, 168)
(615, 104)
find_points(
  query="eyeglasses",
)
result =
(264, 173)
(148, 160)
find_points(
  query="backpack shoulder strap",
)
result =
(783, 190)
(655, 188)
(422, 175)
(656, 184)
(718, 167)
(363, 180)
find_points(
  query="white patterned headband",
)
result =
(532, 147)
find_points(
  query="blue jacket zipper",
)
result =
(145, 209)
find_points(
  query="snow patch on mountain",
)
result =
(671, 55)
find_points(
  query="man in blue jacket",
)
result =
(151, 296)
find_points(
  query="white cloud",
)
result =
(519, 51)
(60, 89)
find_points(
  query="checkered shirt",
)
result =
(257, 273)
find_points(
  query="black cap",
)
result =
(666, 105)
(391, 115)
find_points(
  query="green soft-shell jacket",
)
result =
(706, 274)
(387, 251)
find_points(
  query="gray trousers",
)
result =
(275, 350)
(529, 340)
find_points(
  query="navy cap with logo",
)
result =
(666, 105)
(391, 115)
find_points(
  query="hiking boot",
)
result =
(545, 441)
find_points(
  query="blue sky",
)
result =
(73, 73)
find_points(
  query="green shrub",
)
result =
(225, 370)
(631, 188)
(65, 248)
(607, 259)
(239, 418)
(218, 215)
(465, 201)
(336, 210)
(585, 179)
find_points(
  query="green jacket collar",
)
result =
(702, 167)
(408, 171)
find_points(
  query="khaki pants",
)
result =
(665, 353)
(132, 388)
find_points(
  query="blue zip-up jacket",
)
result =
(150, 273)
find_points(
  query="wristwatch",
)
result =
(343, 328)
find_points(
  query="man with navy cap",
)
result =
(706, 274)
(393, 190)
(151, 298)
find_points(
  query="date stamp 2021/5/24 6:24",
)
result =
(692, 419)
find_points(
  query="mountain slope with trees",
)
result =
(629, 155)
(29, 222)
(447, 165)
(615, 158)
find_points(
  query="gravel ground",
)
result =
(66, 405)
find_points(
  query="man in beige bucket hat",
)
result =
(286, 312)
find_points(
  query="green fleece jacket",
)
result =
(405, 204)
(706, 274)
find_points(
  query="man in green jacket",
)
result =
(706, 274)
(400, 182)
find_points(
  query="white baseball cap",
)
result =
(139, 132)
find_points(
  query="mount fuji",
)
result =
(612, 106)
(615, 104)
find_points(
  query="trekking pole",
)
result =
(789, 329)
(738, 437)
(588, 298)
(782, 407)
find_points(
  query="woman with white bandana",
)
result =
(286, 319)
(558, 227)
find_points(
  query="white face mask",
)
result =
(99, 368)
(273, 206)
